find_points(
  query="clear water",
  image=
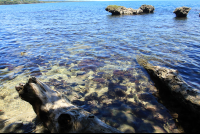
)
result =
(55, 41)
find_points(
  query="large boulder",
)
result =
(182, 11)
(120, 10)
(147, 8)
(172, 82)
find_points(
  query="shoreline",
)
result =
(35, 2)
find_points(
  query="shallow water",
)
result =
(90, 56)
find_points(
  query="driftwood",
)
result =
(58, 114)
(170, 80)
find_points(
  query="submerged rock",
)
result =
(182, 11)
(120, 10)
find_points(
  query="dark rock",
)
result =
(99, 80)
(119, 92)
(147, 8)
(87, 68)
(174, 84)
(146, 97)
(14, 127)
(80, 73)
(90, 64)
(182, 11)
(92, 96)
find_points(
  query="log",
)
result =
(57, 113)
(172, 82)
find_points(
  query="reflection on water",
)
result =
(90, 56)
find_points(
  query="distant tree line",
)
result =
(10, 2)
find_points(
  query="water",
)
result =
(80, 41)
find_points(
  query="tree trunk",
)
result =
(58, 114)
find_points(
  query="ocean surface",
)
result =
(82, 50)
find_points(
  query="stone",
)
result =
(14, 127)
(174, 84)
(80, 73)
(182, 11)
(147, 8)
(121, 10)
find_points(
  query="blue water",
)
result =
(49, 30)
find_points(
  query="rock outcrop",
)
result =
(182, 11)
(121, 10)
(170, 80)
(147, 8)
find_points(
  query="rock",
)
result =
(80, 73)
(126, 128)
(14, 127)
(147, 8)
(23, 53)
(182, 11)
(120, 10)
(174, 84)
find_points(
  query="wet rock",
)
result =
(99, 80)
(78, 73)
(73, 69)
(78, 103)
(92, 96)
(112, 86)
(182, 11)
(104, 100)
(172, 84)
(121, 75)
(118, 72)
(23, 53)
(65, 63)
(71, 95)
(147, 8)
(93, 103)
(146, 97)
(91, 63)
(13, 128)
(106, 113)
(126, 128)
(9, 66)
(87, 68)
(119, 92)
(120, 10)
(38, 60)
(95, 111)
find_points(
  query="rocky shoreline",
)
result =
(180, 98)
